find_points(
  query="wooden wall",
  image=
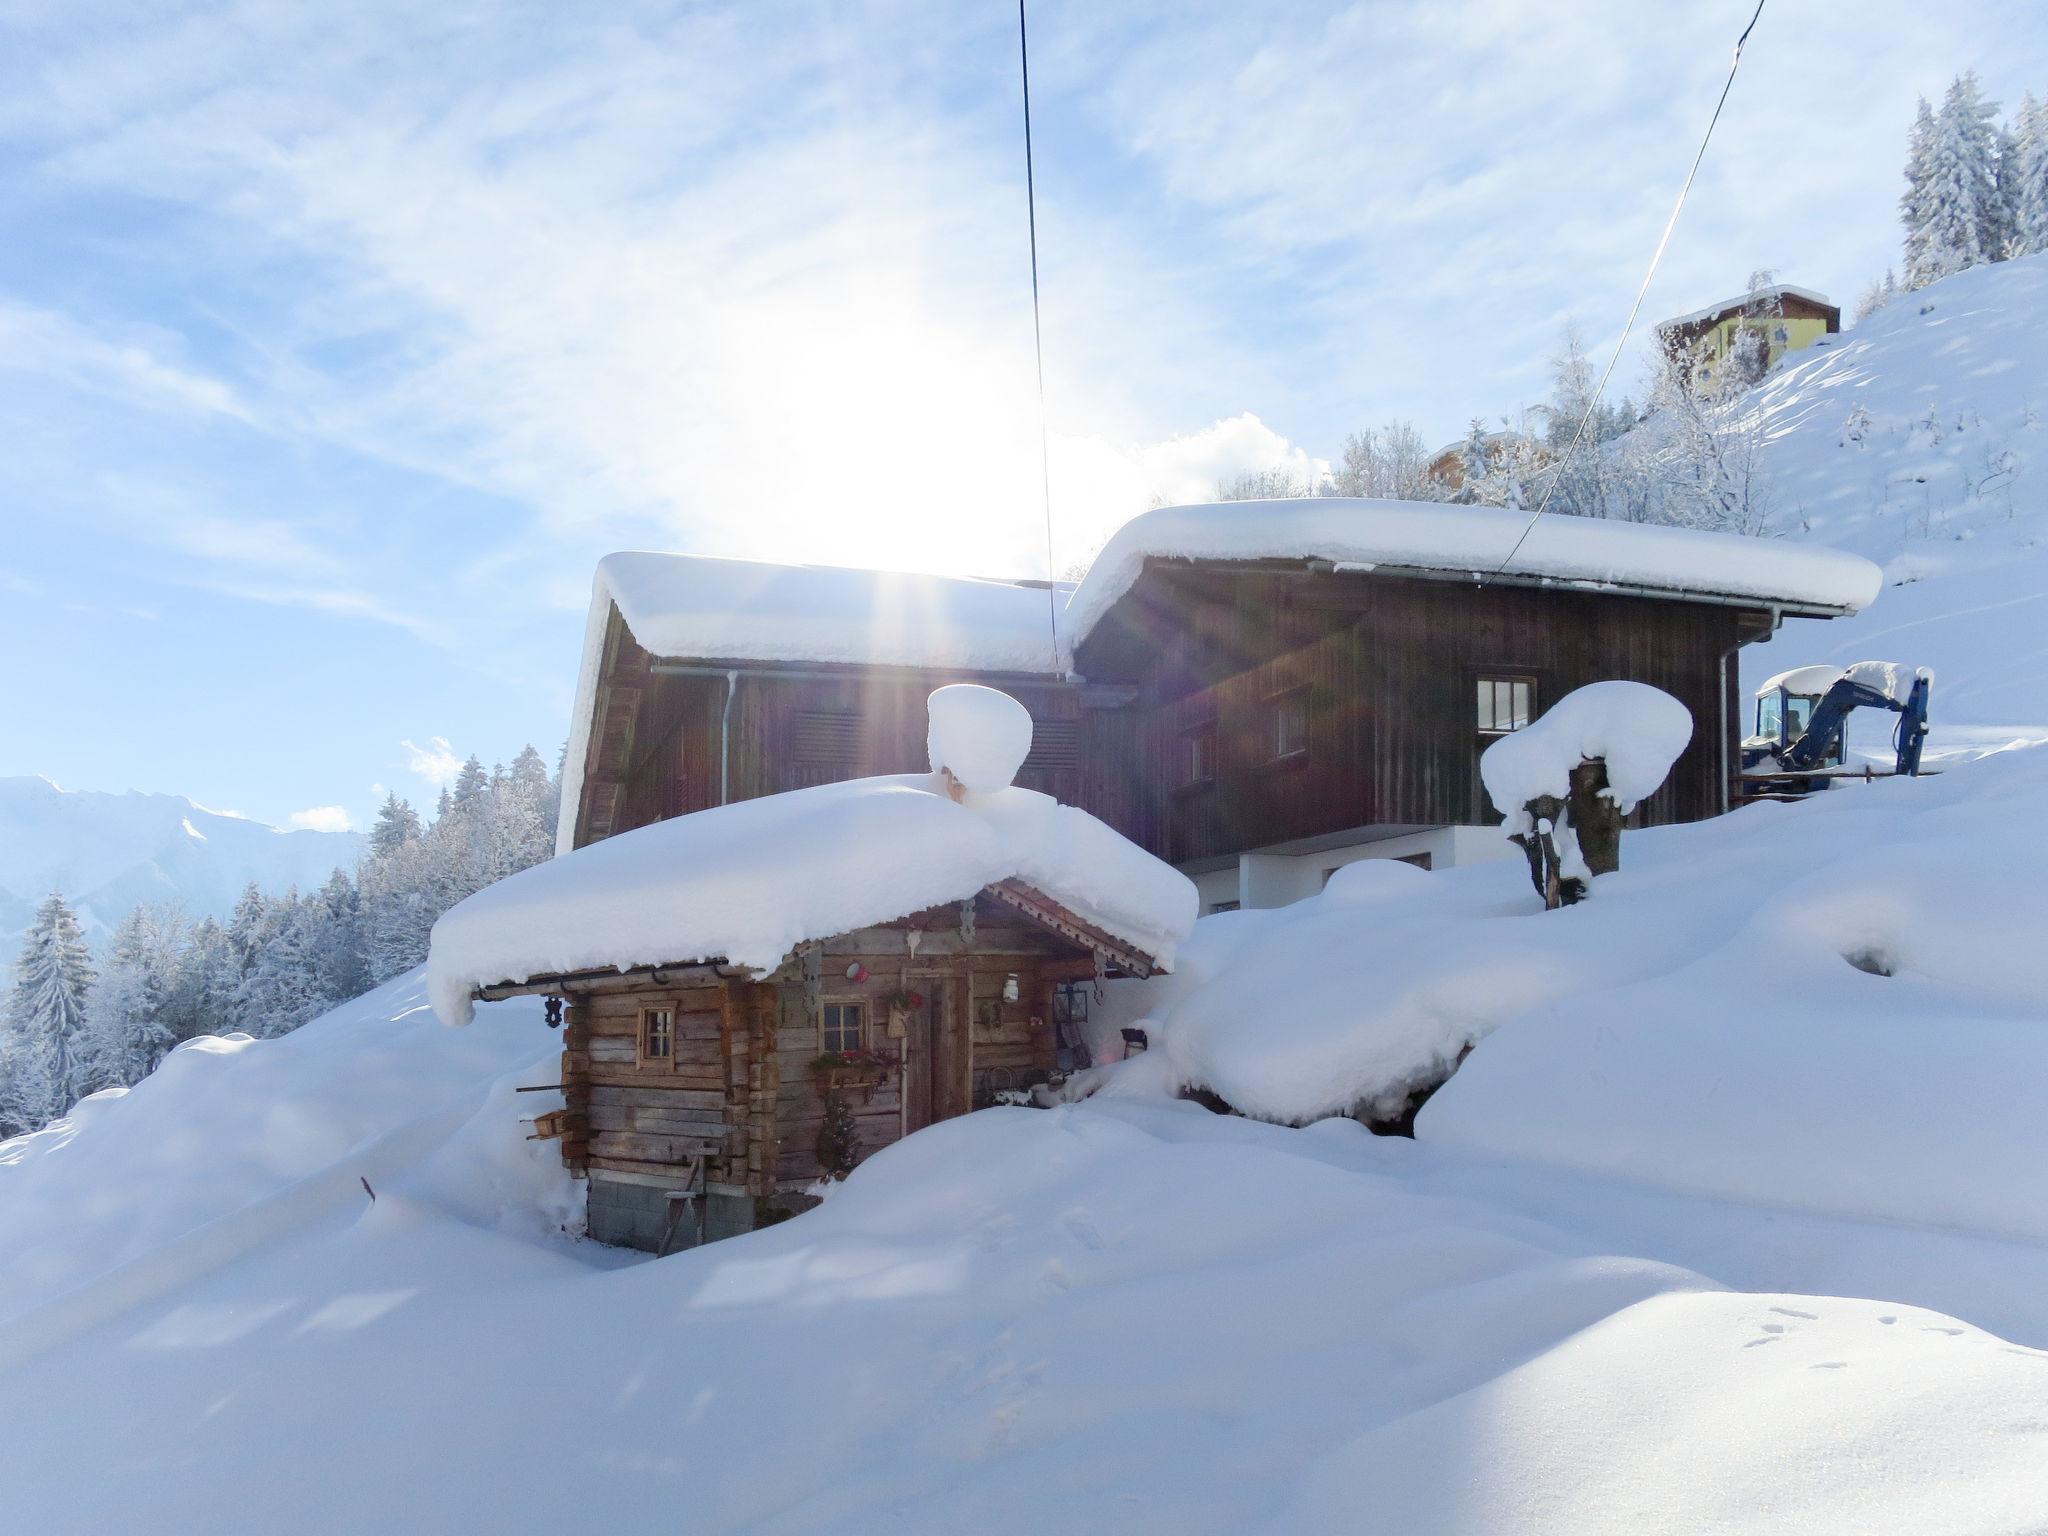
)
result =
(1387, 668)
(740, 1086)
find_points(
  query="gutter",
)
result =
(1777, 619)
(732, 681)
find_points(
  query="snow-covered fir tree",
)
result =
(49, 1057)
(1913, 202)
(128, 1014)
(2027, 182)
(1957, 216)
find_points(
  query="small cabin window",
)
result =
(1070, 1002)
(1198, 754)
(1505, 703)
(1222, 906)
(657, 1034)
(1287, 723)
(841, 1026)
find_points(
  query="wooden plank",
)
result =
(655, 1096)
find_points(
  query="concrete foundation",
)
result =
(631, 1215)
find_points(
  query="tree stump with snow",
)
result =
(1595, 815)
(1566, 781)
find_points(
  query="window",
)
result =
(1287, 724)
(1198, 754)
(1070, 1002)
(657, 1034)
(1505, 703)
(1222, 906)
(840, 1026)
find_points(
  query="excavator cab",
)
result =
(1798, 745)
(1784, 709)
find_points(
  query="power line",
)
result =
(1593, 404)
(1052, 611)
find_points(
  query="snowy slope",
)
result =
(108, 852)
(1126, 1314)
(1919, 439)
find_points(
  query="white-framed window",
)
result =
(1506, 702)
(842, 1026)
(1287, 723)
(657, 1035)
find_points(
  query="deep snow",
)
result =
(1131, 1314)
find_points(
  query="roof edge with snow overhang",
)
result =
(743, 614)
(1433, 540)
(745, 884)
(1744, 300)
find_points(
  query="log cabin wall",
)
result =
(967, 1044)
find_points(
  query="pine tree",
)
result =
(1913, 205)
(125, 1016)
(203, 987)
(1476, 460)
(2028, 181)
(50, 1065)
(471, 782)
(397, 824)
(341, 967)
(1963, 217)
(838, 1143)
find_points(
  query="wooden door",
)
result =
(917, 1059)
(952, 1050)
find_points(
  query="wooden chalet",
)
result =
(722, 975)
(1255, 692)
(1780, 318)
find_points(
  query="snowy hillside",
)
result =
(109, 852)
(1718, 1229)
(1920, 439)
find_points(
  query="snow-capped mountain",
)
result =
(1920, 439)
(108, 852)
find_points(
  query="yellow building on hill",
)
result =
(1781, 317)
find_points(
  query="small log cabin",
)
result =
(900, 944)
(1255, 692)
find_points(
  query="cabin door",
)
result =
(936, 1064)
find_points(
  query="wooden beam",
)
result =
(640, 978)
(1036, 904)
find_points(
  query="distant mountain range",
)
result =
(109, 852)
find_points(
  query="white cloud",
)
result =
(436, 762)
(320, 818)
(43, 341)
(1099, 485)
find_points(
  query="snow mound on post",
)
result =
(1636, 729)
(981, 734)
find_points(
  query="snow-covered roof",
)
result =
(1744, 301)
(748, 882)
(748, 611)
(1816, 679)
(1590, 553)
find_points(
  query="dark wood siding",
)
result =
(1384, 669)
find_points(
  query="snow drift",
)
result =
(1823, 1005)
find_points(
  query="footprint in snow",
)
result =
(1954, 1333)
(1810, 1317)
(1083, 1230)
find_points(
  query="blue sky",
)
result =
(337, 343)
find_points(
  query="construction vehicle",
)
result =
(1798, 745)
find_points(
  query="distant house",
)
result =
(901, 945)
(1781, 317)
(1254, 692)
(1447, 467)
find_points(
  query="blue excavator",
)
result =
(1797, 747)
